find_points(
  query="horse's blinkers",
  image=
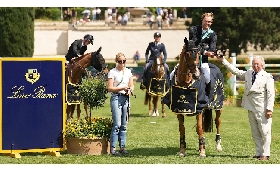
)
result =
(98, 62)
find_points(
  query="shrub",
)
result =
(93, 91)
(228, 91)
(240, 92)
(17, 31)
(277, 94)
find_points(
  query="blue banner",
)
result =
(32, 104)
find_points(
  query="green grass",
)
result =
(158, 143)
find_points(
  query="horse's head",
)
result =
(188, 65)
(192, 53)
(158, 67)
(98, 62)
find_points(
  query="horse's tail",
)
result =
(207, 120)
(147, 98)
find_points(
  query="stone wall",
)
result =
(56, 42)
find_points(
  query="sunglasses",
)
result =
(121, 61)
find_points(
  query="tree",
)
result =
(241, 27)
(17, 32)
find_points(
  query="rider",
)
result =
(156, 48)
(204, 34)
(78, 47)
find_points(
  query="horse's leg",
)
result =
(78, 111)
(182, 135)
(201, 139)
(72, 110)
(162, 108)
(86, 109)
(218, 124)
(155, 103)
(68, 111)
(150, 105)
(147, 101)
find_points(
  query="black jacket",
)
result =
(195, 34)
(75, 49)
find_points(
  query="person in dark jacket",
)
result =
(78, 47)
(155, 49)
(204, 35)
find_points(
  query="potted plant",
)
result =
(90, 135)
(240, 92)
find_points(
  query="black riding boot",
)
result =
(208, 88)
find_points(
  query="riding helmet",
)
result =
(157, 34)
(89, 37)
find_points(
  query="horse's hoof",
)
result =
(202, 154)
(219, 146)
(155, 114)
(182, 154)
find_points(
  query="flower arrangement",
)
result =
(89, 128)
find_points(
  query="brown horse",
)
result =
(74, 72)
(188, 96)
(157, 87)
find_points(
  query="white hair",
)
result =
(261, 60)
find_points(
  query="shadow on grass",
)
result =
(139, 116)
(174, 151)
(156, 151)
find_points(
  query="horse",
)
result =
(74, 72)
(187, 96)
(158, 87)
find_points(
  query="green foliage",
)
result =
(89, 128)
(52, 13)
(93, 91)
(17, 32)
(277, 92)
(235, 30)
(228, 91)
(240, 92)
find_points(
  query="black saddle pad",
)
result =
(183, 100)
(157, 87)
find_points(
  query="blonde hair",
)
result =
(207, 15)
(118, 56)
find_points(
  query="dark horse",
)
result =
(158, 86)
(74, 73)
(188, 96)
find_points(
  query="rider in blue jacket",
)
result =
(155, 49)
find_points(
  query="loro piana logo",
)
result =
(32, 75)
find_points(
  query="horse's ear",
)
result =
(98, 51)
(186, 42)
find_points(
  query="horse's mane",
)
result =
(82, 56)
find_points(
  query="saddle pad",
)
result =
(157, 87)
(183, 100)
(72, 94)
